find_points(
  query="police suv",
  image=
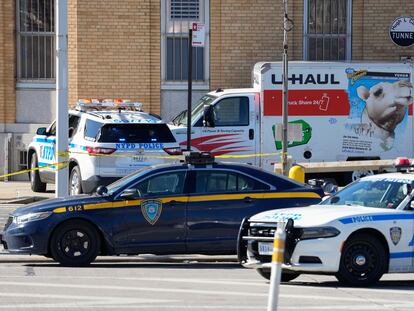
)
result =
(108, 139)
(360, 233)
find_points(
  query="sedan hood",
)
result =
(51, 204)
(316, 215)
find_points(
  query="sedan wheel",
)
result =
(75, 243)
(363, 261)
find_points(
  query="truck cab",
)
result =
(223, 122)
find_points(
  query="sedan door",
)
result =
(218, 203)
(153, 219)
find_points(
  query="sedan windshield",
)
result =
(381, 193)
(120, 183)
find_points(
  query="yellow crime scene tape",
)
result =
(63, 164)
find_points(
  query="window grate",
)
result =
(328, 35)
(22, 165)
(185, 10)
(35, 40)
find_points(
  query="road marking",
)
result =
(194, 291)
(173, 280)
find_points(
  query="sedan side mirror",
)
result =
(41, 131)
(129, 194)
(101, 190)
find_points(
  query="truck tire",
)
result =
(363, 261)
(286, 276)
(35, 183)
(75, 181)
(75, 243)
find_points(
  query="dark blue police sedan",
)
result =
(190, 208)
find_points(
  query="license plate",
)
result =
(265, 248)
(139, 156)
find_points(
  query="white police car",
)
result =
(362, 232)
(107, 140)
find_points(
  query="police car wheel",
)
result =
(75, 181)
(286, 276)
(363, 261)
(35, 183)
(75, 243)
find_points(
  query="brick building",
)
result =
(137, 49)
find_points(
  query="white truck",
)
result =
(343, 117)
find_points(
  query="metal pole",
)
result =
(190, 81)
(285, 90)
(62, 119)
(276, 272)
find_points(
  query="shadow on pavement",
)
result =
(147, 265)
(381, 285)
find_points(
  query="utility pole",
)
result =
(62, 119)
(287, 26)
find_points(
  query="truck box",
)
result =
(338, 111)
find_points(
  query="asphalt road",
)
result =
(179, 283)
(185, 283)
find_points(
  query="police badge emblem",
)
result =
(395, 234)
(151, 210)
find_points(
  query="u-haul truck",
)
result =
(342, 117)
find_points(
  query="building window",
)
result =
(35, 40)
(177, 18)
(327, 30)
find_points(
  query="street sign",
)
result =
(402, 31)
(199, 35)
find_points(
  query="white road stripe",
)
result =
(194, 291)
(107, 299)
(173, 280)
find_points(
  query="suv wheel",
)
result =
(75, 181)
(35, 183)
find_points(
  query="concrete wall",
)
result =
(175, 101)
(35, 105)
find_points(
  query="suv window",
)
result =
(92, 129)
(128, 133)
(222, 181)
(73, 123)
(163, 184)
(232, 111)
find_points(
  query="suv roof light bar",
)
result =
(191, 157)
(97, 104)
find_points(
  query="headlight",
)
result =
(19, 220)
(319, 232)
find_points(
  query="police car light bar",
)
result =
(191, 157)
(403, 164)
(85, 104)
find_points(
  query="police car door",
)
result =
(154, 221)
(46, 152)
(232, 128)
(216, 207)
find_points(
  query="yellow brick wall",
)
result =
(7, 62)
(243, 33)
(115, 48)
(371, 22)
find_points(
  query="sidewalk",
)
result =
(12, 191)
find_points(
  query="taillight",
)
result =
(173, 151)
(100, 150)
